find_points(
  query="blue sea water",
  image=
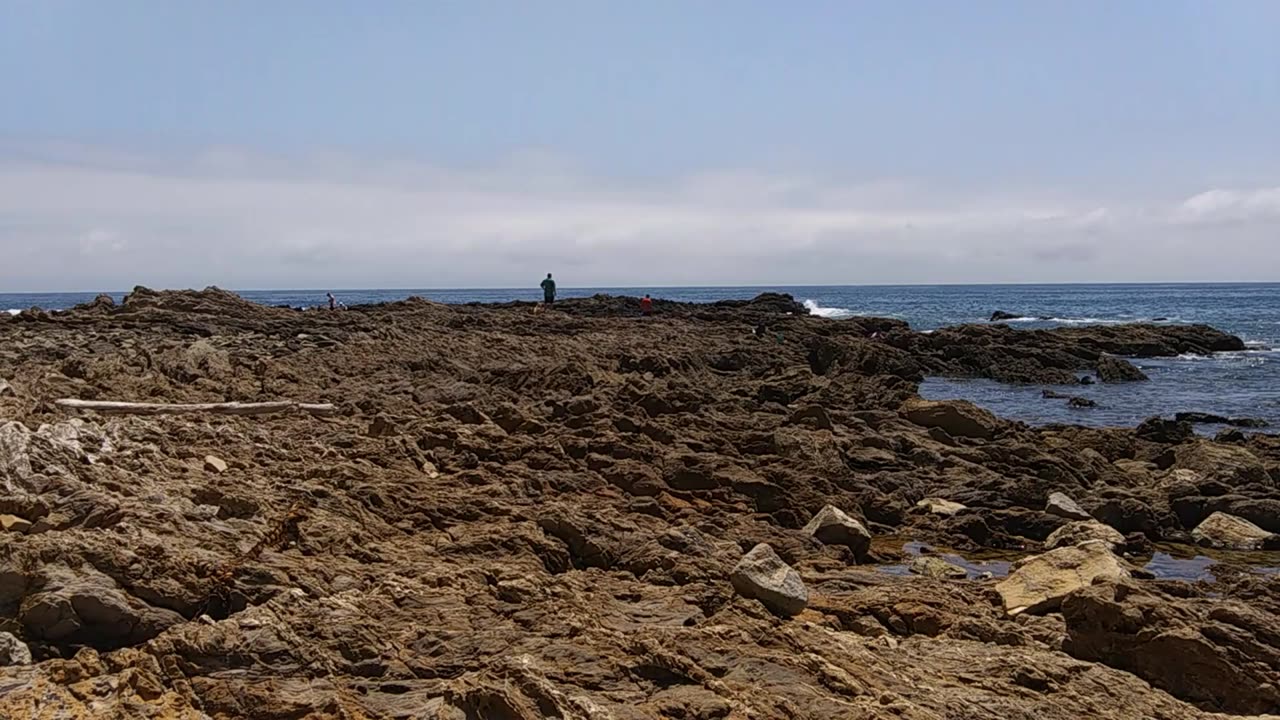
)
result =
(1233, 384)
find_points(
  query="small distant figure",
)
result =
(548, 290)
(646, 305)
(760, 330)
(333, 301)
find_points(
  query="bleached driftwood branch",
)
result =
(227, 408)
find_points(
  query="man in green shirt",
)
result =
(548, 290)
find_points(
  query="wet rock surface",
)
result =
(523, 516)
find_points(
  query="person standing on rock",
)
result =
(646, 305)
(548, 290)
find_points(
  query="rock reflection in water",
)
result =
(1167, 567)
(974, 569)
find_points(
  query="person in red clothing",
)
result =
(646, 305)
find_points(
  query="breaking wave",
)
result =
(834, 313)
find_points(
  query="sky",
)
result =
(324, 144)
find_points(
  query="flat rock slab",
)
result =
(762, 575)
(1041, 582)
(213, 463)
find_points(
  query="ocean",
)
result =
(1242, 384)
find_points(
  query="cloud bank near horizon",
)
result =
(79, 218)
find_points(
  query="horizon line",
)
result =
(763, 287)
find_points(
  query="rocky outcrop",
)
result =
(762, 575)
(539, 515)
(1220, 656)
(1041, 582)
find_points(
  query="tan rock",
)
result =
(1228, 531)
(959, 418)
(1074, 533)
(213, 463)
(1041, 582)
(938, 506)
(14, 524)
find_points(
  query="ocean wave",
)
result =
(13, 311)
(1090, 320)
(834, 313)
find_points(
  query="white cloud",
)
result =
(86, 218)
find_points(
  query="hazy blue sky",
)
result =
(318, 144)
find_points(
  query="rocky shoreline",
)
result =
(585, 513)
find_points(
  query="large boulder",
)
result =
(1062, 506)
(1221, 530)
(762, 575)
(1074, 533)
(1221, 655)
(1039, 583)
(831, 526)
(959, 418)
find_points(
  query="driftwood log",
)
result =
(226, 408)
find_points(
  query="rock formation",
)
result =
(582, 513)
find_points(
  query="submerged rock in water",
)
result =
(1112, 369)
(1040, 583)
(762, 575)
(936, 567)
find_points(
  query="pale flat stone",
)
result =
(1041, 582)
(938, 506)
(213, 463)
(14, 524)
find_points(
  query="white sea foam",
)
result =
(834, 313)
(13, 311)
